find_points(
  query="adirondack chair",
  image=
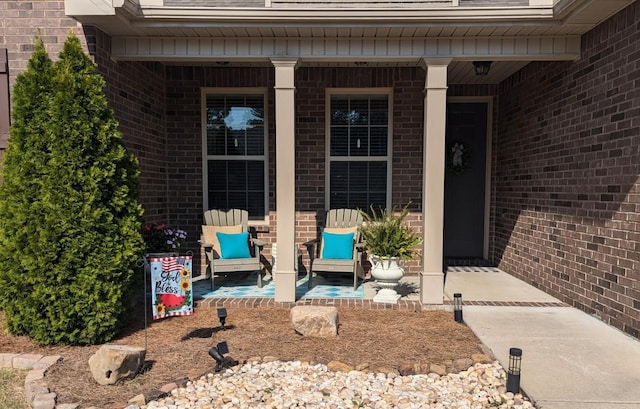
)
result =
(338, 249)
(228, 244)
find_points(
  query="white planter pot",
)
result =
(387, 272)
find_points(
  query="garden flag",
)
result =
(171, 287)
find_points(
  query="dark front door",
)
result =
(464, 191)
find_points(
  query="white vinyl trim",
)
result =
(338, 49)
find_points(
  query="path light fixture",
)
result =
(222, 316)
(513, 372)
(482, 67)
(222, 361)
(457, 307)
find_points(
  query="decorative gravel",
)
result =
(299, 385)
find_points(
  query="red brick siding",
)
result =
(21, 22)
(136, 93)
(184, 132)
(135, 90)
(408, 102)
(568, 158)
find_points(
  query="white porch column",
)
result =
(286, 275)
(435, 108)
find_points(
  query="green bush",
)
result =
(70, 219)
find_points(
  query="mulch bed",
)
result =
(178, 347)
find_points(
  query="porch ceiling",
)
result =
(510, 35)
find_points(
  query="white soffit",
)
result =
(338, 49)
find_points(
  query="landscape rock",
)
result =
(481, 359)
(294, 384)
(113, 363)
(315, 321)
(338, 366)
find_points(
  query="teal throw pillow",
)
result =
(234, 245)
(337, 246)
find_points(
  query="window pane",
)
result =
(359, 141)
(339, 141)
(359, 111)
(237, 176)
(215, 125)
(255, 172)
(236, 143)
(235, 127)
(339, 109)
(358, 176)
(237, 184)
(379, 110)
(378, 141)
(338, 176)
(378, 176)
(255, 140)
(339, 199)
(359, 129)
(358, 184)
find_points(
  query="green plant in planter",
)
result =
(386, 234)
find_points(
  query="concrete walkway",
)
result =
(570, 360)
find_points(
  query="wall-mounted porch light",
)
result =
(482, 67)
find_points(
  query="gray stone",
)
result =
(137, 400)
(34, 375)
(44, 401)
(67, 406)
(26, 361)
(6, 360)
(35, 388)
(315, 321)
(463, 364)
(113, 363)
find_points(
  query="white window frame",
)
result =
(328, 158)
(206, 158)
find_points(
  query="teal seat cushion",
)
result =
(337, 246)
(234, 245)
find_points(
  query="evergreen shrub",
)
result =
(70, 219)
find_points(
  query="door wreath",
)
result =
(458, 158)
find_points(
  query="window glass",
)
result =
(358, 150)
(235, 158)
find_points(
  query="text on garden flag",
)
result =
(171, 287)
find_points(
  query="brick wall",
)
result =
(21, 22)
(408, 102)
(184, 132)
(567, 200)
(135, 90)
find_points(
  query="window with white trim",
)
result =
(235, 149)
(359, 148)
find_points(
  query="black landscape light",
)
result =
(457, 307)
(222, 316)
(513, 372)
(222, 361)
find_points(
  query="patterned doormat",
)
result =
(334, 286)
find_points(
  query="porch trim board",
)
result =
(334, 49)
(286, 275)
(435, 108)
